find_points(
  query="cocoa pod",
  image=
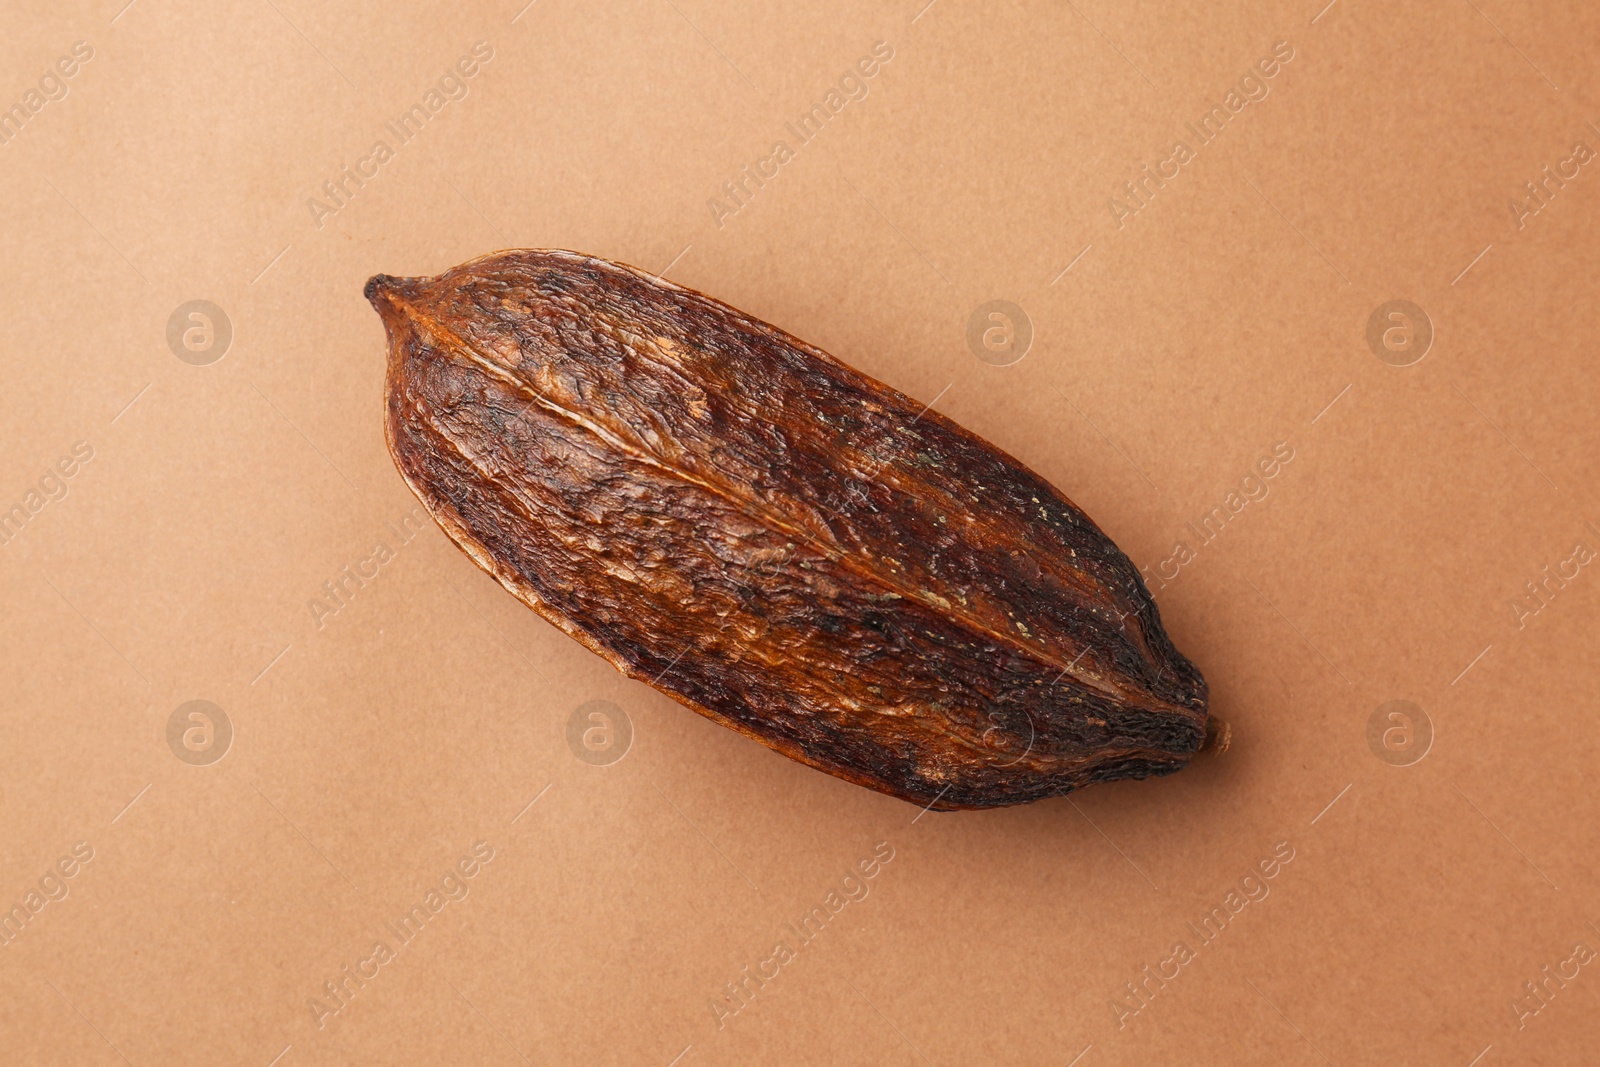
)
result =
(775, 540)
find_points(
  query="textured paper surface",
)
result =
(1304, 301)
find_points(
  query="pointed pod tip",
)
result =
(381, 289)
(1219, 735)
(386, 288)
(390, 296)
(375, 285)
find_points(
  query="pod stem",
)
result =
(1218, 736)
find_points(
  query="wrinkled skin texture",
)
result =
(777, 541)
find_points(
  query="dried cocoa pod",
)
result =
(775, 540)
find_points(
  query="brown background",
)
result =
(1224, 317)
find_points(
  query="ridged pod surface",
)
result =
(777, 541)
